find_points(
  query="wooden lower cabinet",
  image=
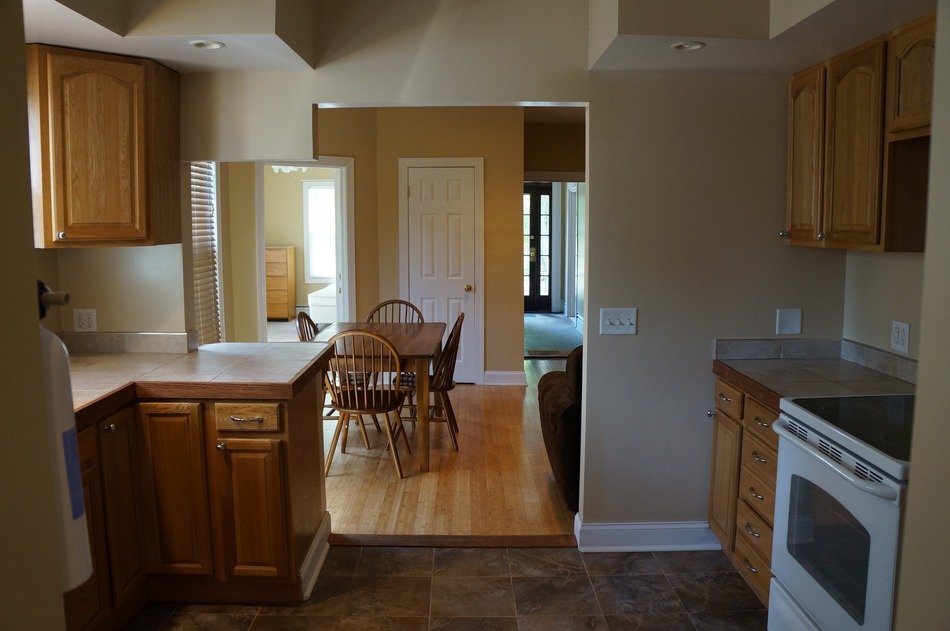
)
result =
(742, 484)
(113, 503)
(175, 463)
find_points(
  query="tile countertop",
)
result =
(225, 370)
(772, 379)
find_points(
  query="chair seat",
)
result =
(373, 401)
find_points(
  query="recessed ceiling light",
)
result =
(688, 45)
(206, 44)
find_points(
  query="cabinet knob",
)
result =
(822, 236)
(783, 234)
(711, 413)
(111, 428)
(61, 234)
(221, 447)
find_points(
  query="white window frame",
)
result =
(336, 183)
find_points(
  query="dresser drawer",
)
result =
(758, 419)
(752, 566)
(247, 417)
(729, 400)
(759, 458)
(275, 255)
(759, 495)
(275, 269)
(755, 529)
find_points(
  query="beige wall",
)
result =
(686, 188)
(351, 132)
(922, 601)
(30, 539)
(496, 135)
(283, 218)
(554, 147)
(784, 14)
(237, 204)
(131, 288)
(185, 17)
(880, 288)
(603, 19)
(695, 18)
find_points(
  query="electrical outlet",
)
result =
(900, 336)
(84, 320)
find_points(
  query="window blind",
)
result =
(205, 252)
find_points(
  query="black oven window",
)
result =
(830, 544)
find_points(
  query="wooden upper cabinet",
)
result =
(103, 142)
(178, 485)
(910, 71)
(853, 153)
(806, 104)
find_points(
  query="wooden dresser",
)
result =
(281, 283)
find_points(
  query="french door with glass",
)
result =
(536, 254)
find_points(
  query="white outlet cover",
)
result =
(84, 320)
(900, 336)
(788, 321)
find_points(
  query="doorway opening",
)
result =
(307, 212)
(550, 229)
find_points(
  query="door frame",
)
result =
(478, 164)
(346, 235)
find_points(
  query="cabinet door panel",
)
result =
(806, 103)
(727, 440)
(97, 110)
(176, 462)
(90, 602)
(249, 480)
(910, 76)
(122, 490)
(853, 155)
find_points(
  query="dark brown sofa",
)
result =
(559, 401)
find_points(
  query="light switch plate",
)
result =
(618, 321)
(788, 321)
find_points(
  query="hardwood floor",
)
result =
(498, 484)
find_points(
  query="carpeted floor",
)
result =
(549, 335)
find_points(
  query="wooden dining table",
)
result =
(419, 342)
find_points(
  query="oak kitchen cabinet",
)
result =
(104, 149)
(112, 494)
(850, 186)
(742, 486)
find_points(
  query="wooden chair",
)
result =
(440, 383)
(362, 377)
(395, 311)
(306, 331)
(306, 327)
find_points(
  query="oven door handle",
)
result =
(880, 490)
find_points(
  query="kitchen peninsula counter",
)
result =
(102, 382)
(769, 380)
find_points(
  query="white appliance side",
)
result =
(784, 612)
(64, 449)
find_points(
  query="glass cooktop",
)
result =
(883, 422)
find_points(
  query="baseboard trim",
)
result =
(505, 378)
(316, 555)
(644, 536)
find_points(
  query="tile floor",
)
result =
(496, 588)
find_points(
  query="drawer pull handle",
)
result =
(761, 423)
(755, 495)
(748, 529)
(111, 428)
(725, 398)
(221, 447)
(748, 566)
(711, 413)
(241, 419)
(758, 458)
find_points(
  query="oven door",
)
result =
(835, 538)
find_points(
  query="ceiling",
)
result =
(837, 27)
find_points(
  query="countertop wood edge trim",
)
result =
(750, 386)
(104, 406)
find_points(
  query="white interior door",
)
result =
(441, 253)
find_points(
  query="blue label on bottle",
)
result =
(73, 472)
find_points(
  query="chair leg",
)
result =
(336, 436)
(401, 429)
(392, 445)
(346, 433)
(359, 421)
(449, 418)
(376, 423)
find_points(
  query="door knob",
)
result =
(468, 289)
